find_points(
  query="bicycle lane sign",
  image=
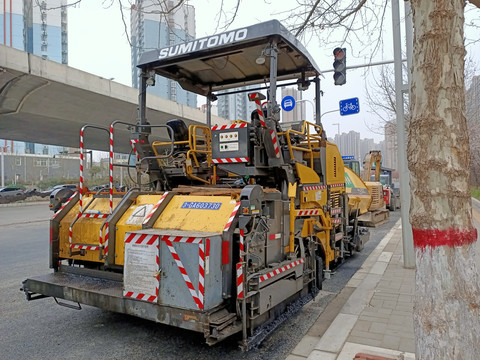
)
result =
(349, 106)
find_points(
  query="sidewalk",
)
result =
(372, 317)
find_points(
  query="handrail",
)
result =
(195, 148)
(194, 143)
(111, 154)
(82, 130)
(311, 138)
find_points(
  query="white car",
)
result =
(10, 191)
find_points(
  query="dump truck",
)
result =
(235, 224)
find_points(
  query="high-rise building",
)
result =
(349, 144)
(155, 25)
(298, 112)
(365, 146)
(236, 106)
(38, 27)
(391, 146)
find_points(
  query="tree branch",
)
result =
(312, 10)
(475, 2)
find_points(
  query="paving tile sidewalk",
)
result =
(376, 311)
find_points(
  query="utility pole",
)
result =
(408, 250)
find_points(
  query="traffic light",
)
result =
(340, 66)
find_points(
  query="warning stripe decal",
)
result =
(97, 216)
(308, 212)
(314, 187)
(84, 247)
(274, 236)
(240, 280)
(66, 203)
(234, 126)
(282, 269)
(232, 216)
(230, 160)
(155, 207)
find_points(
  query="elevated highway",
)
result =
(46, 102)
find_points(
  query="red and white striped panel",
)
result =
(81, 173)
(282, 269)
(84, 247)
(196, 296)
(274, 236)
(141, 239)
(133, 142)
(275, 143)
(242, 242)
(201, 273)
(337, 185)
(234, 126)
(140, 296)
(189, 240)
(254, 97)
(308, 212)
(335, 211)
(66, 203)
(230, 160)
(155, 207)
(336, 221)
(240, 286)
(111, 168)
(96, 216)
(105, 239)
(232, 216)
(314, 187)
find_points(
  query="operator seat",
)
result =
(180, 133)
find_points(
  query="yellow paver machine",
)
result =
(236, 224)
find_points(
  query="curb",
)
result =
(27, 203)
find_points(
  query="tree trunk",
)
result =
(447, 296)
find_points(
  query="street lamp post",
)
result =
(338, 129)
(311, 103)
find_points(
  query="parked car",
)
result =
(10, 191)
(57, 187)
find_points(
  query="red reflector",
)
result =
(142, 141)
(51, 234)
(207, 248)
(225, 252)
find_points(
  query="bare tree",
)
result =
(447, 294)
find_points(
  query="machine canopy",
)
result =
(231, 59)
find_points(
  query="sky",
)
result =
(98, 45)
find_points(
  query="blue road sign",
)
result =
(348, 157)
(349, 106)
(288, 103)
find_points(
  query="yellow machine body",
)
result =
(184, 212)
(85, 230)
(132, 220)
(358, 195)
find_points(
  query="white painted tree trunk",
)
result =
(447, 296)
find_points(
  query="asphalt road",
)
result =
(43, 330)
